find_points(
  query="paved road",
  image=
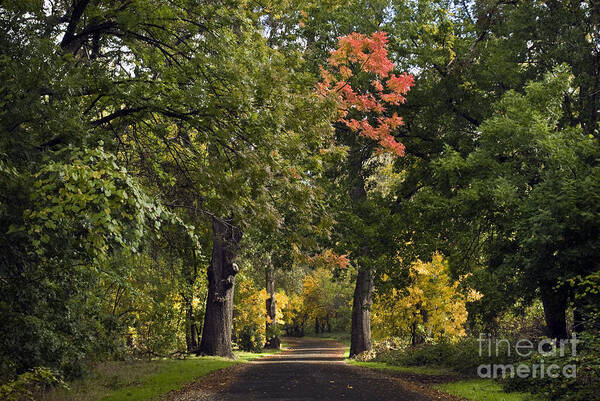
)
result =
(310, 370)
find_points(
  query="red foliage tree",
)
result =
(359, 59)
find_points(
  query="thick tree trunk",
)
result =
(361, 313)
(273, 341)
(216, 334)
(360, 339)
(555, 305)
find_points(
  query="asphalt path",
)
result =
(310, 369)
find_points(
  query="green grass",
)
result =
(470, 389)
(482, 390)
(171, 376)
(143, 380)
(137, 380)
(415, 370)
(245, 356)
(342, 337)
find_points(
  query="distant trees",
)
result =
(326, 300)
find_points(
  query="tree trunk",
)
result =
(328, 325)
(190, 273)
(360, 339)
(361, 313)
(216, 334)
(555, 305)
(191, 335)
(273, 340)
(317, 325)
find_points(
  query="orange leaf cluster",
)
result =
(358, 53)
(330, 259)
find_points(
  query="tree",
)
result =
(188, 97)
(359, 76)
(431, 307)
(526, 192)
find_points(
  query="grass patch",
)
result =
(337, 336)
(482, 390)
(415, 370)
(144, 380)
(137, 380)
(470, 389)
(245, 356)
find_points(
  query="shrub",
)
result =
(26, 384)
(251, 338)
(463, 356)
(583, 386)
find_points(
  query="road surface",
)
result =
(311, 369)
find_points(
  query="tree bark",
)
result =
(191, 334)
(190, 273)
(216, 334)
(360, 339)
(273, 341)
(361, 313)
(555, 305)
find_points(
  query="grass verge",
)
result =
(469, 389)
(337, 336)
(482, 390)
(413, 370)
(143, 380)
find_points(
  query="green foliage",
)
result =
(28, 383)
(87, 206)
(327, 298)
(483, 390)
(198, 117)
(580, 386)
(522, 216)
(251, 339)
(82, 210)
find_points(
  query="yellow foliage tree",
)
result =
(294, 315)
(250, 315)
(431, 308)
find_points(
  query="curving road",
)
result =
(311, 369)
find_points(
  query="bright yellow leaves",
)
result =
(250, 314)
(431, 308)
